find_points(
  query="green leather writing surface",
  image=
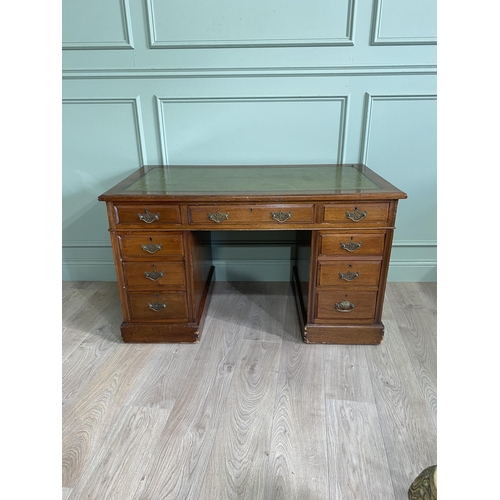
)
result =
(251, 179)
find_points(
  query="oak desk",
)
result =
(160, 219)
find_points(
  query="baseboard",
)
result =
(88, 270)
(412, 271)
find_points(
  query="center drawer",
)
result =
(250, 214)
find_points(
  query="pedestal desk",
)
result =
(343, 216)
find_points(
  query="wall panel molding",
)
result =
(126, 43)
(414, 243)
(156, 43)
(140, 138)
(81, 269)
(87, 244)
(343, 99)
(379, 39)
(138, 123)
(252, 72)
(369, 101)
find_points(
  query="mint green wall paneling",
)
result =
(230, 23)
(400, 144)
(290, 88)
(405, 22)
(273, 130)
(272, 254)
(94, 24)
(102, 142)
(413, 260)
(291, 56)
(88, 262)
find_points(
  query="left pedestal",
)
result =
(164, 278)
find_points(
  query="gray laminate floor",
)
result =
(250, 412)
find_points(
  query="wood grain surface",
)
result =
(251, 412)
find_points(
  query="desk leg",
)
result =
(299, 301)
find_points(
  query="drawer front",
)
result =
(155, 274)
(357, 214)
(351, 244)
(160, 306)
(348, 273)
(250, 214)
(345, 305)
(147, 215)
(144, 245)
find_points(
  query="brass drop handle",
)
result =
(218, 217)
(344, 307)
(148, 217)
(151, 247)
(154, 275)
(281, 216)
(356, 215)
(351, 246)
(157, 306)
(349, 276)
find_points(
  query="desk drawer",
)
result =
(250, 214)
(155, 274)
(159, 306)
(145, 215)
(348, 273)
(151, 244)
(345, 305)
(351, 244)
(357, 214)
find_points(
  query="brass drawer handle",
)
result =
(344, 307)
(281, 216)
(151, 247)
(218, 217)
(351, 246)
(349, 276)
(156, 306)
(148, 217)
(154, 275)
(356, 215)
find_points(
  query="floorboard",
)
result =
(298, 462)
(405, 416)
(119, 464)
(358, 462)
(238, 463)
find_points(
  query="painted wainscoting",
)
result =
(246, 83)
